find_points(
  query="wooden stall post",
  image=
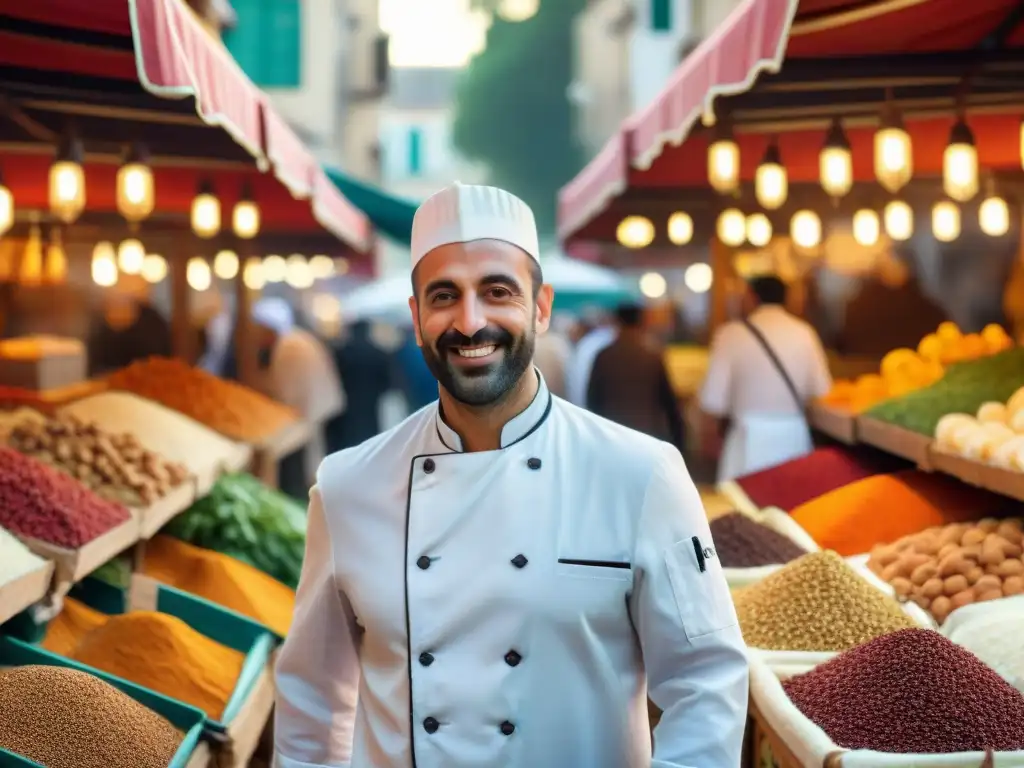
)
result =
(182, 341)
(245, 339)
(721, 268)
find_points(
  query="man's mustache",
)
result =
(489, 335)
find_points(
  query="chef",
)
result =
(503, 579)
(763, 370)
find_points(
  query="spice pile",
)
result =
(231, 409)
(244, 519)
(173, 435)
(222, 580)
(75, 621)
(816, 603)
(163, 653)
(116, 466)
(795, 482)
(878, 510)
(15, 559)
(745, 543)
(39, 502)
(63, 718)
(945, 568)
(911, 692)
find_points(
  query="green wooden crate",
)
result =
(189, 720)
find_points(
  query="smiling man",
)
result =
(503, 578)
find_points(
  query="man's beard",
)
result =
(486, 384)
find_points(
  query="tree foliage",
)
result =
(512, 112)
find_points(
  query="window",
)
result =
(267, 41)
(661, 15)
(415, 151)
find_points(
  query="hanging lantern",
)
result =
(274, 269)
(635, 232)
(899, 220)
(805, 229)
(946, 221)
(724, 162)
(699, 277)
(298, 274)
(994, 216)
(771, 184)
(680, 228)
(197, 274)
(252, 275)
(206, 212)
(56, 268)
(31, 270)
(960, 164)
(225, 265)
(154, 268)
(866, 227)
(67, 181)
(518, 10)
(135, 194)
(759, 230)
(6, 207)
(245, 218)
(835, 162)
(321, 267)
(731, 227)
(894, 158)
(130, 256)
(652, 285)
(104, 264)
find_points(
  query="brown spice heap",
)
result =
(815, 603)
(163, 653)
(911, 692)
(745, 543)
(63, 718)
(231, 409)
(117, 467)
(947, 567)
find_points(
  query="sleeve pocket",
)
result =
(700, 590)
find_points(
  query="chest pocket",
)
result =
(699, 587)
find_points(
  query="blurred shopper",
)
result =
(127, 328)
(629, 383)
(418, 384)
(300, 372)
(553, 355)
(762, 372)
(366, 370)
(497, 581)
(600, 336)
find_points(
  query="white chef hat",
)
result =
(274, 313)
(462, 213)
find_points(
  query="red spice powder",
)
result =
(795, 482)
(911, 692)
(43, 503)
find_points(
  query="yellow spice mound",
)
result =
(74, 622)
(164, 653)
(815, 603)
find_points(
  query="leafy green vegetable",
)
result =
(116, 572)
(245, 520)
(963, 389)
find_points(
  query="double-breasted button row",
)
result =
(423, 562)
(519, 561)
(429, 466)
(512, 658)
(430, 725)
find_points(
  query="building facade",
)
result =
(626, 50)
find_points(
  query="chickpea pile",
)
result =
(947, 567)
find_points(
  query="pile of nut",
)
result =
(115, 466)
(947, 567)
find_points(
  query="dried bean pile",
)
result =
(947, 567)
(116, 466)
(744, 543)
(911, 692)
(63, 718)
(816, 603)
(224, 406)
(40, 502)
(795, 482)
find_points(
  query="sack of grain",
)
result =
(992, 631)
(916, 612)
(752, 546)
(880, 701)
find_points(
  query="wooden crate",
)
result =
(895, 440)
(837, 423)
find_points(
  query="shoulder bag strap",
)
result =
(776, 362)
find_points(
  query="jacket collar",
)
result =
(515, 429)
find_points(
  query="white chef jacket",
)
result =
(510, 608)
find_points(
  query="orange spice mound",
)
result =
(221, 579)
(74, 622)
(163, 653)
(235, 411)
